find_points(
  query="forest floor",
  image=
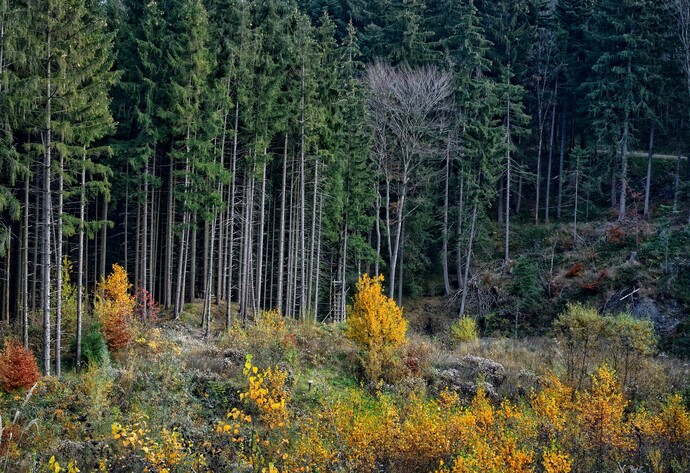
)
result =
(174, 400)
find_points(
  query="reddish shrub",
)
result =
(418, 358)
(147, 309)
(575, 271)
(616, 235)
(18, 367)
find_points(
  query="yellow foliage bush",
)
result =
(465, 330)
(167, 454)
(114, 306)
(261, 445)
(600, 418)
(376, 324)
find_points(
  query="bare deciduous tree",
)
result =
(406, 112)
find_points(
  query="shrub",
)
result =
(376, 325)
(18, 367)
(147, 309)
(94, 349)
(114, 307)
(465, 330)
(590, 339)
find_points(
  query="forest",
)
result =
(345, 235)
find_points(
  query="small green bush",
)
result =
(465, 330)
(94, 348)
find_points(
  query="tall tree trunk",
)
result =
(397, 242)
(80, 260)
(104, 239)
(377, 222)
(561, 161)
(444, 228)
(302, 209)
(676, 181)
(550, 162)
(318, 262)
(231, 223)
(37, 241)
(501, 200)
(312, 246)
(25, 263)
(8, 281)
(465, 279)
(184, 248)
(577, 199)
(145, 238)
(539, 151)
(281, 238)
(624, 160)
(458, 230)
(167, 286)
(126, 221)
(289, 284)
(191, 283)
(206, 319)
(400, 264)
(206, 257)
(58, 274)
(506, 255)
(648, 182)
(47, 223)
(153, 279)
(260, 241)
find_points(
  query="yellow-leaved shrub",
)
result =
(114, 306)
(376, 324)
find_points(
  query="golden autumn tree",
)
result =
(376, 324)
(114, 306)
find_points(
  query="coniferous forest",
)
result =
(345, 235)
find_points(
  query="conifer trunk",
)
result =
(444, 228)
(47, 223)
(80, 261)
(281, 238)
(648, 181)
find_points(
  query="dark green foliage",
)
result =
(526, 286)
(94, 349)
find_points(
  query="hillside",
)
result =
(172, 401)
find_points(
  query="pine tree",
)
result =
(617, 91)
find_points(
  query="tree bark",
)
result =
(167, 287)
(648, 182)
(549, 166)
(561, 161)
(260, 250)
(676, 181)
(312, 246)
(465, 279)
(47, 223)
(624, 167)
(506, 256)
(58, 274)
(458, 230)
(444, 228)
(231, 223)
(80, 261)
(281, 238)
(104, 239)
(25, 263)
